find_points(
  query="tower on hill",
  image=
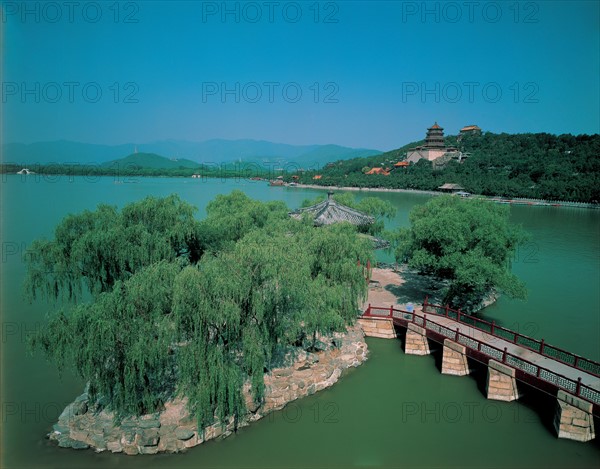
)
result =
(434, 147)
(435, 137)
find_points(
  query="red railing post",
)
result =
(369, 310)
(516, 337)
(456, 336)
(391, 311)
(458, 313)
(446, 310)
(493, 325)
(424, 321)
(578, 388)
(504, 356)
(539, 370)
(542, 347)
(576, 361)
(425, 303)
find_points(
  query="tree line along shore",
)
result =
(504, 200)
(540, 167)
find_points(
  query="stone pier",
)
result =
(378, 327)
(501, 382)
(454, 359)
(416, 340)
(574, 419)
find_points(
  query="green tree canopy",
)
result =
(95, 249)
(230, 217)
(120, 343)
(204, 328)
(469, 242)
(543, 166)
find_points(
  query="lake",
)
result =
(394, 411)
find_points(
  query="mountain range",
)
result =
(210, 151)
(151, 161)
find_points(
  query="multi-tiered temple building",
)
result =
(434, 147)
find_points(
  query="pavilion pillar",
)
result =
(573, 419)
(501, 382)
(416, 340)
(454, 359)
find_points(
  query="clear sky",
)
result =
(361, 74)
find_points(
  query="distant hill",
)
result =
(547, 166)
(210, 151)
(151, 161)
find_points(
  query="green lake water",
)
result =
(393, 411)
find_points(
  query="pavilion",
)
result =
(329, 212)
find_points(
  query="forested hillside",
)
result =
(545, 166)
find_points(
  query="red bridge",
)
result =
(509, 355)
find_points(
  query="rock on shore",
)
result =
(173, 429)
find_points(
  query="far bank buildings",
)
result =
(435, 147)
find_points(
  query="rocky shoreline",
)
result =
(84, 424)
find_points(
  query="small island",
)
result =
(197, 328)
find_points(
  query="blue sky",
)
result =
(361, 74)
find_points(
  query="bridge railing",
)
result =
(528, 371)
(540, 346)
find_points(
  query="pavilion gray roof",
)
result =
(330, 211)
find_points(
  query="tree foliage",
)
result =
(543, 166)
(96, 249)
(230, 217)
(263, 285)
(121, 342)
(469, 242)
(126, 172)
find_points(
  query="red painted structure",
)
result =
(531, 373)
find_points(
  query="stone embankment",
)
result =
(83, 424)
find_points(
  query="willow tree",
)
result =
(240, 311)
(469, 242)
(121, 343)
(203, 329)
(95, 249)
(230, 217)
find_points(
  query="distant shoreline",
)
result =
(502, 200)
(367, 189)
